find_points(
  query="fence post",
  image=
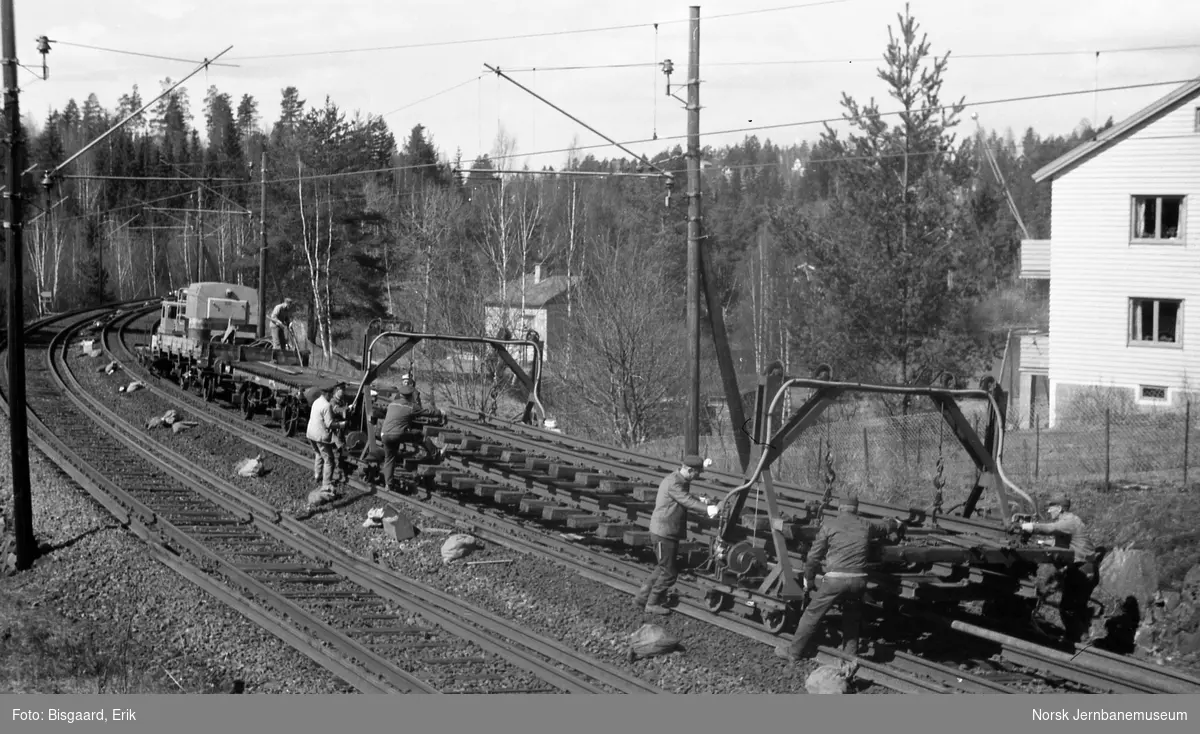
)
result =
(1037, 444)
(867, 458)
(1107, 448)
(1187, 425)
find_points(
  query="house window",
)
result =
(1158, 217)
(1150, 392)
(1196, 124)
(1155, 320)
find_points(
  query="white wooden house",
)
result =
(537, 301)
(1123, 261)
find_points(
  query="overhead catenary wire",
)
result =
(867, 59)
(432, 96)
(523, 36)
(136, 53)
(800, 123)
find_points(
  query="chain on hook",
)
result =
(939, 479)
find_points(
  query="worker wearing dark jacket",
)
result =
(1079, 578)
(841, 547)
(668, 526)
(399, 427)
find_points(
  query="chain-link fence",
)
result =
(900, 458)
(1105, 446)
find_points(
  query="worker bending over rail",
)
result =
(842, 546)
(400, 427)
(1077, 579)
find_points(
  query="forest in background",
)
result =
(888, 252)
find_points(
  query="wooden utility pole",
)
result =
(691, 433)
(26, 545)
(262, 248)
(701, 276)
(199, 234)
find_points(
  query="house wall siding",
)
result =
(1096, 269)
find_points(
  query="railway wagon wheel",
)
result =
(776, 621)
(717, 601)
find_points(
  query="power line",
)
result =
(435, 94)
(138, 53)
(792, 62)
(523, 36)
(801, 123)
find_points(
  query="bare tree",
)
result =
(621, 374)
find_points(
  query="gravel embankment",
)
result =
(538, 594)
(96, 614)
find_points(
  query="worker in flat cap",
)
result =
(841, 547)
(1076, 579)
(400, 427)
(321, 428)
(668, 526)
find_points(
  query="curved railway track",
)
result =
(377, 630)
(469, 507)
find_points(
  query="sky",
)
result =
(764, 64)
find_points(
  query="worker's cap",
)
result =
(407, 379)
(334, 386)
(289, 300)
(692, 461)
(405, 390)
(1060, 500)
(849, 501)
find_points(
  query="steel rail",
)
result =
(627, 463)
(438, 606)
(127, 512)
(110, 424)
(588, 565)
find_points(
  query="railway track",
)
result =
(376, 629)
(903, 672)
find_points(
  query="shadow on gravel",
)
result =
(48, 548)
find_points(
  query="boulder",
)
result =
(249, 467)
(650, 640)
(1129, 573)
(457, 546)
(1190, 590)
(831, 679)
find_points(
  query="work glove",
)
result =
(712, 510)
(1027, 527)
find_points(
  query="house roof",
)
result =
(1117, 133)
(537, 294)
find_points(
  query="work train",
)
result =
(748, 561)
(206, 338)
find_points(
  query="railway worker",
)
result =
(399, 428)
(841, 547)
(668, 526)
(280, 317)
(340, 407)
(408, 379)
(1078, 578)
(321, 428)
